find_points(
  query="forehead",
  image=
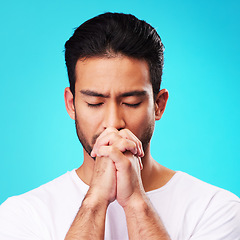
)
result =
(118, 73)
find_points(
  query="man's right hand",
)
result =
(103, 185)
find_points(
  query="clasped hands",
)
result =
(117, 167)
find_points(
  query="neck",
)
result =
(154, 175)
(85, 171)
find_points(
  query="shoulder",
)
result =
(54, 191)
(216, 211)
(206, 198)
(38, 210)
(191, 186)
(220, 217)
(193, 208)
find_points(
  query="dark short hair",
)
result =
(113, 33)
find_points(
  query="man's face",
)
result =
(113, 92)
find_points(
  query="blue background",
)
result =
(199, 132)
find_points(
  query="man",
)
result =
(114, 64)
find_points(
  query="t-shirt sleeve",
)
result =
(17, 221)
(221, 220)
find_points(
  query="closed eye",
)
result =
(133, 105)
(94, 104)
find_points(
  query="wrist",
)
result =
(137, 202)
(95, 201)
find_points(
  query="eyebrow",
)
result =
(125, 94)
(134, 93)
(94, 94)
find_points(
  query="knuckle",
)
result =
(124, 132)
(100, 151)
(131, 145)
(112, 134)
(134, 145)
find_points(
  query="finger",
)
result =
(140, 163)
(111, 135)
(126, 145)
(122, 162)
(129, 135)
(105, 139)
(126, 133)
(107, 131)
(122, 145)
(109, 152)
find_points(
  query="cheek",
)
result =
(88, 122)
(140, 122)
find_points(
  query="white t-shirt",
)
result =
(189, 208)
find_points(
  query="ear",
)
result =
(69, 103)
(160, 103)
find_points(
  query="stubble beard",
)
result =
(145, 138)
(83, 140)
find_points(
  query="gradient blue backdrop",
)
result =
(199, 132)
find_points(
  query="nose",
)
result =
(113, 117)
